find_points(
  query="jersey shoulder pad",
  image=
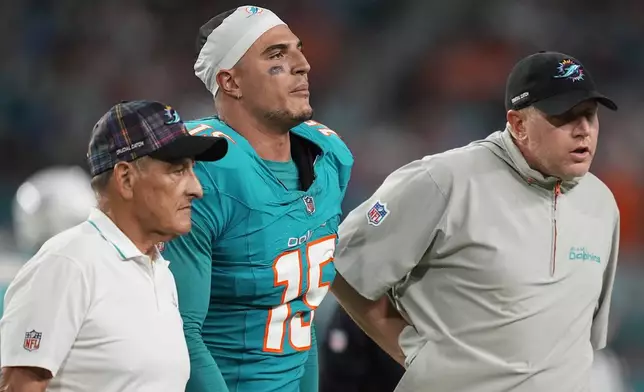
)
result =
(325, 137)
(209, 126)
(339, 154)
(213, 126)
(233, 164)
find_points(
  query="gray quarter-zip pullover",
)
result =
(504, 275)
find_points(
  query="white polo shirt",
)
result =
(97, 313)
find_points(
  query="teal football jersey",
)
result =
(257, 262)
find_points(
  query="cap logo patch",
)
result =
(171, 116)
(568, 69)
(252, 10)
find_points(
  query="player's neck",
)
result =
(270, 141)
(270, 146)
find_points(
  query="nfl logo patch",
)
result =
(32, 340)
(377, 213)
(309, 203)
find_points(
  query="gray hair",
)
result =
(100, 181)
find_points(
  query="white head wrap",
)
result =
(229, 41)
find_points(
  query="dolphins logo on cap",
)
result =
(568, 69)
(171, 115)
(254, 10)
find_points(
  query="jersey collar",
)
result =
(112, 234)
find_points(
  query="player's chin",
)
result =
(303, 113)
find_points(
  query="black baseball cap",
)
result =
(134, 129)
(553, 83)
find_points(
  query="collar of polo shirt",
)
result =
(123, 245)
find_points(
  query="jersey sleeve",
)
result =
(599, 330)
(45, 307)
(384, 238)
(190, 259)
(344, 163)
(343, 156)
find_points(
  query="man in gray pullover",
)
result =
(489, 268)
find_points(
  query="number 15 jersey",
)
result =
(258, 261)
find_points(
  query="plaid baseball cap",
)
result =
(134, 129)
(553, 83)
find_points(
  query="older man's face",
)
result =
(163, 195)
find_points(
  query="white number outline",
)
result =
(324, 130)
(300, 330)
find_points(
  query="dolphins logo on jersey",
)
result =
(568, 69)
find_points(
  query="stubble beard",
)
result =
(289, 119)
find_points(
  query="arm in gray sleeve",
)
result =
(385, 237)
(599, 329)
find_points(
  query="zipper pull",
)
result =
(558, 188)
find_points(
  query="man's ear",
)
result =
(227, 82)
(124, 179)
(517, 121)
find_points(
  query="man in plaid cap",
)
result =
(96, 308)
(258, 260)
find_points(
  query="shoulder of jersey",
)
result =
(213, 126)
(225, 172)
(326, 138)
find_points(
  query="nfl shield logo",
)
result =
(32, 340)
(377, 213)
(309, 203)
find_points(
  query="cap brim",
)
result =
(562, 103)
(200, 148)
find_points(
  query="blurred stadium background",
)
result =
(397, 79)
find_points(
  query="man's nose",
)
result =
(194, 189)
